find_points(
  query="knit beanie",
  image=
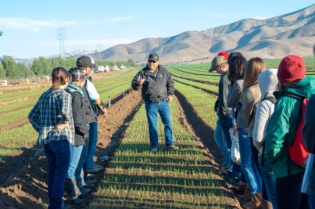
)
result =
(291, 69)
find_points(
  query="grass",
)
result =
(139, 178)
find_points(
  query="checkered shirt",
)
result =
(53, 107)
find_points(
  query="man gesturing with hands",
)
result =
(157, 88)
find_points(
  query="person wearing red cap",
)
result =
(281, 130)
(224, 54)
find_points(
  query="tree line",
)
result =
(13, 70)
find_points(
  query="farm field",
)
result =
(133, 176)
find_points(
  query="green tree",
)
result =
(2, 71)
(40, 66)
(11, 68)
(131, 63)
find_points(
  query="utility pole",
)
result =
(61, 35)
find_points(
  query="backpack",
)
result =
(297, 151)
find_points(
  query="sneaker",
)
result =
(84, 192)
(91, 181)
(77, 201)
(93, 170)
(88, 185)
(98, 166)
(172, 147)
(154, 149)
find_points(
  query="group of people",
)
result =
(254, 103)
(66, 118)
(259, 106)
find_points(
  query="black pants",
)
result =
(289, 192)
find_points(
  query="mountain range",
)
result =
(292, 33)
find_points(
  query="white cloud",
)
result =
(37, 25)
(31, 24)
(119, 19)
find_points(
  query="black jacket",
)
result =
(79, 111)
(154, 89)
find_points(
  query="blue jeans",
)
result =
(75, 154)
(248, 164)
(311, 201)
(152, 110)
(58, 157)
(269, 180)
(81, 167)
(289, 192)
(226, 123)
(221, 143)
(93, 137)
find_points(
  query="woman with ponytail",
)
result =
(52, 118)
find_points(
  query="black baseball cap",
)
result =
(85, 61)
(153, 57)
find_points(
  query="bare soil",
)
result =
(23, 177)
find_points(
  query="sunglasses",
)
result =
(152, 61)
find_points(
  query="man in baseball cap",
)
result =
(217, 61)
(85, 61)
(224, 113)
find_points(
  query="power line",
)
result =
(61, 35)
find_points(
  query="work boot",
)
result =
(256, 202)
(266, 204)
(240, 188)
(73, 191)
(247, 195)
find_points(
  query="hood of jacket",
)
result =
(267, 81)
(76, 88)
(303, 88)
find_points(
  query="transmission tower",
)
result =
(61, 35)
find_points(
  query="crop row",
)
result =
(139, 178)
(19, 137)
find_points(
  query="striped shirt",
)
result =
(53, 107)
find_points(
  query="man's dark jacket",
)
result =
(154, 89)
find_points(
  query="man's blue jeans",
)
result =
(75, 154)
(58, 157)
(248, 164)
(93, 137)
(269, 180)
(222, 144)
(152, 110)
(81, 167)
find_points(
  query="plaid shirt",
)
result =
(53, 107)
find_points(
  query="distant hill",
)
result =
(292, 33)
(270, 38)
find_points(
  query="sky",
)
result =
(36, 28)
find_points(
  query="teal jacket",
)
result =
(283, 125)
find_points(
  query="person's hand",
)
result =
(104, 111)
(62, 125)
(140, 80)
(169, 98)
